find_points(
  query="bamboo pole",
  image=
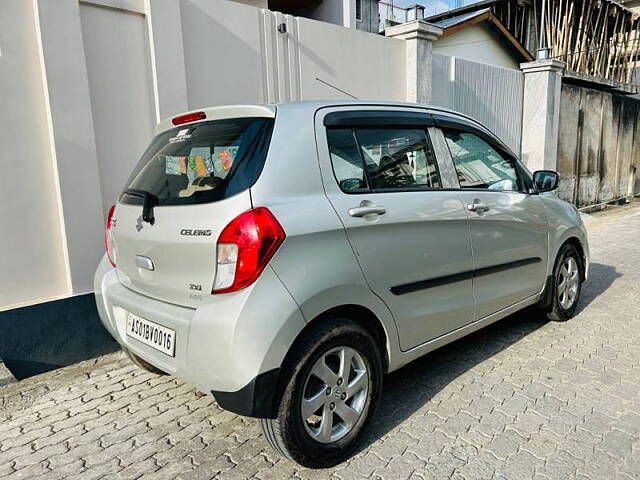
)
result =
(635, 51)
(592, 45)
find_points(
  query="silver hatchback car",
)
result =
(283, 258)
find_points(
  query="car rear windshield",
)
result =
(201, 163)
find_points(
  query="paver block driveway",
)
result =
(524, 398)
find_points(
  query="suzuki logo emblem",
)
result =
(139, 224)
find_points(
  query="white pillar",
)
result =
(164, 21)
(72, 139)
(541, 113)
(419, 36)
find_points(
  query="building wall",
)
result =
(369, 16)
(477, 43)
(338, 12)
(599, 146)
(32, 246)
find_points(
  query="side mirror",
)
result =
(546, 180)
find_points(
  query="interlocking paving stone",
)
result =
(522, 399)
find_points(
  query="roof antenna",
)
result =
(336, 88)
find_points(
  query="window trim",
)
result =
(378, 119)
(370, 189)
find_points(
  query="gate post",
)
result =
(541, 113)
(419, 36)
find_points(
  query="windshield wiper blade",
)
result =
(149, 200)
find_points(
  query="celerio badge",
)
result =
(195, 233)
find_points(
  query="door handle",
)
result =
(367, 210)
(478, 207)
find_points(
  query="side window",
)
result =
(346, 160)
(479, 165)
(398, 158)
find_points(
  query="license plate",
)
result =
(150, 333)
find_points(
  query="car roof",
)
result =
(269, 111)
(318, 104)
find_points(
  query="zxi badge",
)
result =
(139, 224)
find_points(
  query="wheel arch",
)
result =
(575, 241)
(364, 317)
(360, 314)
(546, 298)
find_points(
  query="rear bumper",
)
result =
(233, 345)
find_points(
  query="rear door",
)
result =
(195, 179)
(508, 224)
(409, 234)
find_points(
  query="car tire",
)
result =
(301, 432)
(143, 364)
(568, 273)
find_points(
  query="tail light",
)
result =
(244, 249)
(188, 117)
(108, 241)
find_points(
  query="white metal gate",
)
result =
(490, 94)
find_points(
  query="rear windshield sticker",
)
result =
(172, 165)
(182, 136)
(193, 166)
(224, 157)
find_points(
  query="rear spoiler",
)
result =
(219, 113)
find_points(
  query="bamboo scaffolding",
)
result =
(594, 37)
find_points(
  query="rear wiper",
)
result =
(149, 200)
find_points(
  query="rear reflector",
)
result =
(245, 247)
(188, 117)
(108, 241)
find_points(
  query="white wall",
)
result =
(222, 52)
(32, 265)
(118, 68)
(477, 43)
(362, 64)
(234, 54)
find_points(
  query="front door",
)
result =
(508, 225)
(410, 236)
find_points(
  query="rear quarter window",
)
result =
(201, 163)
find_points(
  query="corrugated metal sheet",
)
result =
(450, 22)
(490, 94)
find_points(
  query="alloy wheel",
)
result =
(568, 283)
(335, 394)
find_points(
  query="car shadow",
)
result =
(601, 277)
(413, 386)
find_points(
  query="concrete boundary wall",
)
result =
(598, 146)
(584, 130)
